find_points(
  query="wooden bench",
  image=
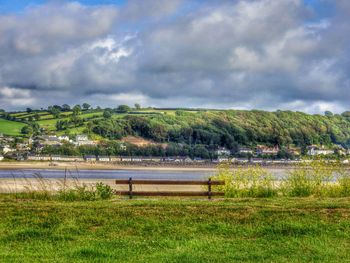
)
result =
(132, 182)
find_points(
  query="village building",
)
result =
(55, 158)
(104, 159)
(265, 150)
(115, 158)
(7, 149)
(49, 140)
(294, 151)
(222, 159)
(1, 158)
(126, 159)
(223, 151)
(188, 160)
(83, 139)
(245, 150)
(90, 158)
(315, 150)
(39, 158)
(22, 147)
(64, 138)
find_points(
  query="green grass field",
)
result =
(10, 127)
(236, 230)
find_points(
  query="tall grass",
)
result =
(43, 189)
(246, 182)
(316, 178)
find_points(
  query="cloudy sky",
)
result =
(243, 54)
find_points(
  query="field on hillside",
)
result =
(10, 127)
(173, 230)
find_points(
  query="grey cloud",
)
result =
(244, 53)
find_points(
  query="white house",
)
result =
(245, 151)
(83, 139)
(7, 149)
(314, 150)
(90, 158)
(104, 159)
(223, 159)
(223, 151)
(63, 138)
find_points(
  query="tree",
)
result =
(346, 114)
(107, 114)
(137, 106)
(76, 110)
(123, 108)
(29, 110)
(65, 107)
(27, 129)
(36, 116)
(86, 106)
(55, 112)
(328, 113)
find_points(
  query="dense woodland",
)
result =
(231, 128)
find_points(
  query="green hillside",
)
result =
(211, 128)
(10, 127)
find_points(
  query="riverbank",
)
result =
(175, 230)
(22, 185)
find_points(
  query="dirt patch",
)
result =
(139, 141)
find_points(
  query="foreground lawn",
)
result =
(253, 230)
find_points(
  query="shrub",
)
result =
(84, 193)
(246, 182)
(103, 191)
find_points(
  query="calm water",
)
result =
(116, 174)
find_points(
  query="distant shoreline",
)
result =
(205, 167)
(102, 166)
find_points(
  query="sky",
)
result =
(229, 54)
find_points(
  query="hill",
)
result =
(210, 128)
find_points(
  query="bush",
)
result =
(84, 193)
(316, 178)
(246, 182)
(103, 191)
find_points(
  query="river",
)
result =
(116, 174)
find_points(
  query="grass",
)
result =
(12, 128)
(317, 178)
(172, 230)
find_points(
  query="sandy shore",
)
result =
(28, 185)
(98, 166)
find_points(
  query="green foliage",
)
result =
(104, 191)
(86, 106)
(107, 113)
(246, 182)
(85, 193)
(123, 109)
(27, 130)
(211, 128)
(316, 178)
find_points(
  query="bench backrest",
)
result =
(132, 182)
